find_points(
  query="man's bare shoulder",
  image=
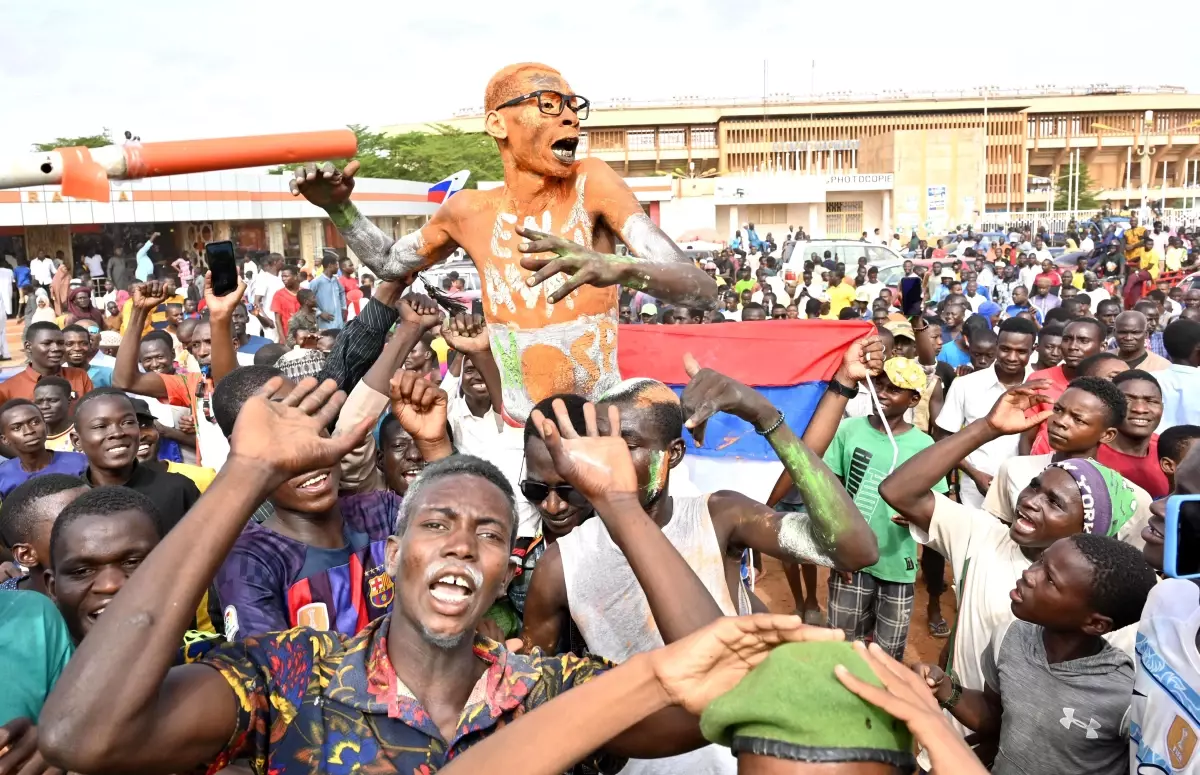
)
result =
(597, 171)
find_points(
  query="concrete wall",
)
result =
(926, 161)
(679, 215)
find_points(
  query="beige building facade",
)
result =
(839, 165)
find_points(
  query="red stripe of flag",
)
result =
(776, 353)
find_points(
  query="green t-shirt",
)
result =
(34, 648)
(743, 285)
(862, 458)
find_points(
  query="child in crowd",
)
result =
(984, 554)
(1086, 415)
(96, 544)
(23, 430)
(26, 517)
(1173, 446)
(1134, 452)
(53, 397)
(1056, 693)
(304, 322)
(877, 601)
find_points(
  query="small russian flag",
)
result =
(440, 192)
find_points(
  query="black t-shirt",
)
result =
(172, 494)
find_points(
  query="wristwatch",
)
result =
(842, 390)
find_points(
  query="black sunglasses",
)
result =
(552, 102)
(536, 492)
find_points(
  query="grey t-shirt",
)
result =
(1067, 717)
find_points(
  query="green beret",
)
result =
(793, 707)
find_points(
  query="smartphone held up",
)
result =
(1181, 541)
(222, 263)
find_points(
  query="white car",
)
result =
(843, 252)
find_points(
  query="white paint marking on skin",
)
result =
(516, 282)
(797, 539)
(498, 290)
(647, 241)
(579, 222)
(532, 225)
(500, 235)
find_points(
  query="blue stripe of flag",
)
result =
(731, 438)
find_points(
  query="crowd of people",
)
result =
(302, 508)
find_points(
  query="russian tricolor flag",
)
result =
(788, 361)
(440, 192)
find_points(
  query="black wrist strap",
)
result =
(842, 390)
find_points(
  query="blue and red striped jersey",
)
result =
(270, 582)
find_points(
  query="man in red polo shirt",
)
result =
(285, 304)
(45, 351)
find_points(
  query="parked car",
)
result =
(842, 251)
(472, 289)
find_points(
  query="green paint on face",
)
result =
(658, 473)
(509, 360)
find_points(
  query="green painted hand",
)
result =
(584, 266)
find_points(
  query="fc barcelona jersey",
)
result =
(270, 582)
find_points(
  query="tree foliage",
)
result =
(425, 156)
(87, 141)
(1087, 190)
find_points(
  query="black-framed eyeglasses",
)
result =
(552, 102)
(536, 492)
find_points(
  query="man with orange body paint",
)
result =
(552, 313)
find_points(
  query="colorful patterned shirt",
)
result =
(319, 702)
(270, 583)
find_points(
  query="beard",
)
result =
(443, 642)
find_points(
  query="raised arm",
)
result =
(832, 533)
(657, 266)
(103, 717)
(617, 710)
(469, 335)
(389, 259)
(220, 318)
(126, 374)
(861, 359)
(547, 611)
(908, 489)
(600, 467)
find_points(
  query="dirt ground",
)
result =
(772, 589)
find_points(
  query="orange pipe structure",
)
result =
(84, 172)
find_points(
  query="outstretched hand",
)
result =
(467, 333)
(324, 185)
(599, 467)
(221, 307)
(1008, 416)
(696, 670)
(419, 405)
(710, 391)
(584, 266)
(287, 433)
(906, 696)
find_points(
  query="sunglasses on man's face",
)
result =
(536, 492)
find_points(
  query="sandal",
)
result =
(939, 629)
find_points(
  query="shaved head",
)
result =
(510, 82)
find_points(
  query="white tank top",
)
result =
(613, 615)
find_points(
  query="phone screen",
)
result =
(910, 295)
(223, 265)
(1187, 540)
